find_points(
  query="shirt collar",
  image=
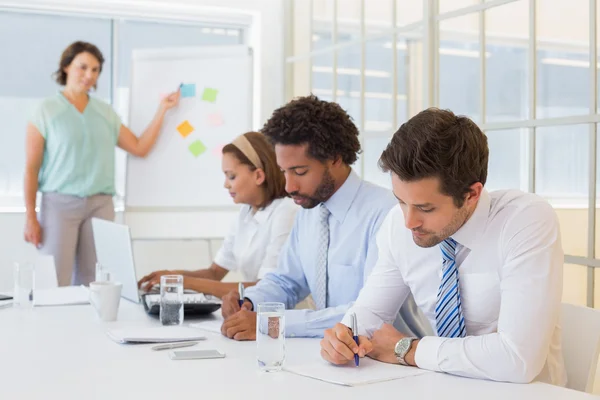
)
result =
(339, 203)
(262, 214)
(472, 230)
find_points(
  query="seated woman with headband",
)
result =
(252, 247)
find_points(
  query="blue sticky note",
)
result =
(188, 90)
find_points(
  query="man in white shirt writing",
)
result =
(485, 268)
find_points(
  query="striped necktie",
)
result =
(448, 313)
(320, 292)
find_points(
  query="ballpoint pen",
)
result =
(241, 292)
(354, 328)
(169, 346)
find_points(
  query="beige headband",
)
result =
(242, 143)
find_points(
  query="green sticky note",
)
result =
(197, 148)
(210, 95)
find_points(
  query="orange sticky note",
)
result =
(185, 128)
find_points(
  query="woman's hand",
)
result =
(170, 100)
(33, 232)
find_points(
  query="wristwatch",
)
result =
(402, 347)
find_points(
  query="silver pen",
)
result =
(177, 345)
(241, 293)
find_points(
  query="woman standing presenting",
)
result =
(70, 159)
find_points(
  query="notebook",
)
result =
(61, 296)
(161, 334)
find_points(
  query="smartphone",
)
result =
(195, 354)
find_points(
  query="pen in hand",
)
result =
(354, 329)
(241, 293)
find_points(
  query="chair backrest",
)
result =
(45, 272)
(581, 345)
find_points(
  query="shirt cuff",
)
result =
(255, 297)
(295, 323)
(426, 356)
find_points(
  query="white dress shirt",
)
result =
(253, 244)
(510, 264)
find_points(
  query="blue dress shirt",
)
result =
(357, 210)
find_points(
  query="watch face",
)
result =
(402, 347)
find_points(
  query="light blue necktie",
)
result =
(320, 292)
(448, 313)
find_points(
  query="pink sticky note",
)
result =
(218, 151)
(215, 119)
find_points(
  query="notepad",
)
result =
(161, 334)
(61, 296)
(369, 371)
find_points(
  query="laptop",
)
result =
(115, 253)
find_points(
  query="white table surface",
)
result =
(64, 353)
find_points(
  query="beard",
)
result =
(322, 193)
(434, 238)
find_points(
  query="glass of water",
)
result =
(171, 299)
(24, 276)
(270, 336)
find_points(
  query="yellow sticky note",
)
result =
(185, 128)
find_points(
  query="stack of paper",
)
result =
(61, 296)
(161, 334)
(369, 371)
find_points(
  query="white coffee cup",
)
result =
(105, 297)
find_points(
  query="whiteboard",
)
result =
(184, 167)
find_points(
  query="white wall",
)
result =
(266, 36)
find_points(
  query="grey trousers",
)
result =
(66, 223)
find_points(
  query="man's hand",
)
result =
(240, 326)
(338, 346)
(384, 343)
(230, 304)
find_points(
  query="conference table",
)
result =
(64, 353)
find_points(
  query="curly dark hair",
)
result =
(325, 126)
(438, 143)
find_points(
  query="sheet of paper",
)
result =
(160, 334)
(213, 325)
(369, 371)
(188, 90)
(61, 296)
(197, 148)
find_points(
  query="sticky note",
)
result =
(197, 148)
(218, 151)
(210, 95)
(215, 119)
(188, 90)
(185, 128)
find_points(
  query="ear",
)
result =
(337, 162)
(474, 193)
(259, 176)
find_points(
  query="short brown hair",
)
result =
(437, 143)
(69, 54)
(325, 126)
(274, 184)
